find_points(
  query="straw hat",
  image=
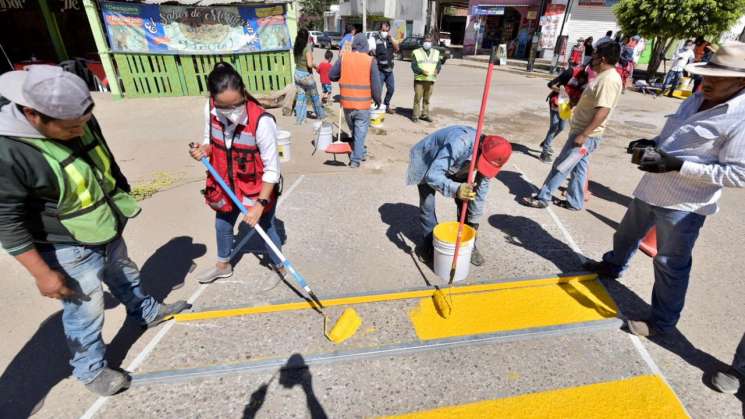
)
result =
(727, 61)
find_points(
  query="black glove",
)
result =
(640, 144)
(659, 162)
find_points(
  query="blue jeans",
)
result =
(556, 126)
(677, 232)
(85, 268)
(428, 216)
(390, 85)
(578, 174)
(303, 90)
(359, 122)
(671, 79)
(224, 223)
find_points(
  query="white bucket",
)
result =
(377, 116)
(283, 146)
(324, 136)
(444, 244)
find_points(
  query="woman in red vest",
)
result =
(240, 139)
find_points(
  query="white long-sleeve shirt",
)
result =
(712, 145)
(266, 140)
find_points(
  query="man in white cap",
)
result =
(63, 206)
(700, 150)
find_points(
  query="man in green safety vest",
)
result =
(63, 206)
(426, 65)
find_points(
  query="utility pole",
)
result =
(557, 46)
(364, 16)
(536, 37)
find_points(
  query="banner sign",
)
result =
(161, 29)
(486, 10)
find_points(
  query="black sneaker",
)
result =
(426, 118)
(546, 158)
(166, 312)
(109, 382)
(415, 119)
(602, 268)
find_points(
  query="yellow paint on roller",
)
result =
(404, 295)
(448, 232)
(644, 396)
(513, 309)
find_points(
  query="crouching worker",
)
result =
(440, 162)
(240, 139)
(63, 206)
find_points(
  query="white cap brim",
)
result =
(704, 69)
(11, 87)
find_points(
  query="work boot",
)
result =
(414, 119)
(602, 268)
(109, 382)
(727, 381)
(546, 158)
(389, 110)
(166, 312)
(212, 274)
(426, 118)
(476, 258)
(643, 328)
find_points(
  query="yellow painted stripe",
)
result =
(644, 396)
(514, 309)
(404, 295)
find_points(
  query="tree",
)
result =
(311, 13)
(664, 21)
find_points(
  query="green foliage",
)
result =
(311, 13)
(678, 19)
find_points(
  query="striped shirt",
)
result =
(712, 145)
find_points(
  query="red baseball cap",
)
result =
(495, 151)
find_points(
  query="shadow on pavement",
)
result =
(528, 234)
(294, 373)
(403, 224)
(603, 192)
(255, 245)
(605, 220)
(405, 112)
(522, 148)
(518, 186)
(43, 361)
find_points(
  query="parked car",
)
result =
(410, 43)
(314, 37)
(335, 38)
(323, 41)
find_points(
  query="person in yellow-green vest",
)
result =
(426, 64)
(64, 203)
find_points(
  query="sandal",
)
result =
(565, 204)
(533, 202)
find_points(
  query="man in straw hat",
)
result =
(63, 206)
(700, 150)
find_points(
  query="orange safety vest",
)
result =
(356, 92)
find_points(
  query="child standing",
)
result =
(323, 70)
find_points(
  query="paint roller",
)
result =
(442, 306)
(348, 322)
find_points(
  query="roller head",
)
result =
(441, 304)
(345, 327)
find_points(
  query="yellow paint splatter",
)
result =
(645, 396)
(515, 308)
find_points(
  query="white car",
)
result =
(313, 38)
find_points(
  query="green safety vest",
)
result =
(89, 199)
(427, 63)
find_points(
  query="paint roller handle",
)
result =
(224, 185)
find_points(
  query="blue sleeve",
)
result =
(476, 207)
(335, 72)
(436, 175)
(375, 81)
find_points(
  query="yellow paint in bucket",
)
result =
(377, 116)
(448, 232)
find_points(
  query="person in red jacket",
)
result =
(323, 70)
(240, 140)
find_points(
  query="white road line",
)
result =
(643, 353)
(145, 353)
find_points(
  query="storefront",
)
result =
(494, 22)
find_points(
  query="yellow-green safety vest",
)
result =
(89, 198)
(427, 63)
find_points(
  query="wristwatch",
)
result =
(263, 202)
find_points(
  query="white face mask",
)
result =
(383, 35)
(427, 45)
(234, 115)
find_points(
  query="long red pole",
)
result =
(472, 167)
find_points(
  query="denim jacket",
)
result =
(437, 160)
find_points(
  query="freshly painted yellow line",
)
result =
(405, 295)
(515, 308)
(644, 396)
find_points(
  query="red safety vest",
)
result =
(240, 166)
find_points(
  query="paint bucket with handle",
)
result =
(444, 237)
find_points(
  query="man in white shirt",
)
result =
(682, 57)
(700, 150)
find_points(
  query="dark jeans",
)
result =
(677, 232)
(428, 216)
(390, 85)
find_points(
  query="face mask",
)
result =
(234, 115)
(427, 45)
(384, 34)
